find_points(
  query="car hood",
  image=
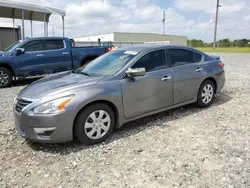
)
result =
(56, 84)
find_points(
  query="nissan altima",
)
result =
(123, 85)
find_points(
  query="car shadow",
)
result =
(134, 127)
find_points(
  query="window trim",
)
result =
(64, 43)
(170, 60)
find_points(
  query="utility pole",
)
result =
(216, 22)
(163, 23)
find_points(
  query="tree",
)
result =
(221, 43)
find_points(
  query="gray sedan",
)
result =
(118, 87)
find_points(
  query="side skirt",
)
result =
(123, 120)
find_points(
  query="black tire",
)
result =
(84, 63)
(79, 126)
(200, 98)
(6, 72)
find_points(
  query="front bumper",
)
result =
(48, 128)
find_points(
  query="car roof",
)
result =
(43, 38)
(147, 47)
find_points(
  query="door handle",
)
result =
(199, 69)
(40, 55)
(165, 78)
(65, 53)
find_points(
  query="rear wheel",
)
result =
(6, 77)
(94, 124)
(206, 94)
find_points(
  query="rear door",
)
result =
(57, 56)
(150, 92)
(188, 73)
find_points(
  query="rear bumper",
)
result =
(220, 81)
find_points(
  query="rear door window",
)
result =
(53, 44)
(180, 57)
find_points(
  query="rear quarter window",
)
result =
(197, 57)
(180, 57)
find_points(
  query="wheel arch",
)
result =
(214, 82)
(10, 68)
(108, 103)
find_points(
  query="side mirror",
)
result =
(20, 51)
(136, 72)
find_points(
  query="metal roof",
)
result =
(13, 9)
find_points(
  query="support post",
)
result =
(63, 26)
(23, 34)
(31, 27)
(44, 22)
(47, 29)
(14, 27)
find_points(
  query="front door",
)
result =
(150, 92)
(188, 74)
(43, 57)
(31, 62)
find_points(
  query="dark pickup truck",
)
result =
(46, 55)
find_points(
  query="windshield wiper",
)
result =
(85, 73)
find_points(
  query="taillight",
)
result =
(107, 49)
(221, 65)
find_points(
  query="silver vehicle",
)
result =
(118, 87)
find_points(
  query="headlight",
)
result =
(57, 105)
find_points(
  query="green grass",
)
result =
(226, 50)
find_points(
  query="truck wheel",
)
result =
(84, 63)
(94, 124)
(6, 77)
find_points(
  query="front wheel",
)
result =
(5, 77)
(94, 124)
(206, 94)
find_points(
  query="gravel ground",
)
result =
(185, 147)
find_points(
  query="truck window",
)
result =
(36, 45)
(53, 44)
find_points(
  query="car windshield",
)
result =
(108, 64)
(12, 46)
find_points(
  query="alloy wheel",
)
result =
(4, 78)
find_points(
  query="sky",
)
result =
(192, 18)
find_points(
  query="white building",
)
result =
(133, 37)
